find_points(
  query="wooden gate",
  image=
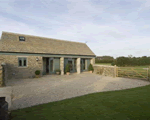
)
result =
(133, 72)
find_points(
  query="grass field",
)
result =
(131, 104)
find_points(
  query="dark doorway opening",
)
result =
(47, 65)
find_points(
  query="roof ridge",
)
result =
(42, 37)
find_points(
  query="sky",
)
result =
(109, 27)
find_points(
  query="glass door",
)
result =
(51, 65)
(82, 64)
(70, 64)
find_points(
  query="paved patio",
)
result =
(29, 92)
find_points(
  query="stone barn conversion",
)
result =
(24, 54)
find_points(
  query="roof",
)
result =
(35, 44)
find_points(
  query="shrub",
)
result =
(57, 70)
(67, 69)
(90, 68)
(37, 72)
(113, 63)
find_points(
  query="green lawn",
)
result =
(131, 104)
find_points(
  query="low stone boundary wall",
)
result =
(105, 70)
(1, 76)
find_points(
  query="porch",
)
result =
(77, 65)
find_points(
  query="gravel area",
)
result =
(30, 92)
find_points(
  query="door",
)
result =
(51, 60)
(65, 63)
(82, 64)
(56, 62)
(71, 65)
(88, 63)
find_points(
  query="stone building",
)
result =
(24, 54)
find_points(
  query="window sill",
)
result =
(22, 67)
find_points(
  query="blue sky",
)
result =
(110, 27)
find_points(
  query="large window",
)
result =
(22, 62)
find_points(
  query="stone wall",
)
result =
(1, 59)
(92, 61)
(105, 70)
(62, 65)
(78, 65)
(15, 72)
(1, 76)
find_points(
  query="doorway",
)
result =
(51, 61)
(70, 64)
(47, 65)
(82, 63)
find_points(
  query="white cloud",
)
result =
(74, 20)
(145, 5)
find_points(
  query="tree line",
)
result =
(127, 61)
(134, 61)
(104, 59)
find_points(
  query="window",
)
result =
(21, 38)
(22, 62)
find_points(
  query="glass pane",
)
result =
(75, 64)
(24, 62)
(20, 62)
(51, 65)
(83, 64)
(70, 63)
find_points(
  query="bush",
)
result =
(90, 68)
(57, 70)
(113, 63)
(67, 69)
(37, 72)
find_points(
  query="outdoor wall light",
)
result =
(37, 59)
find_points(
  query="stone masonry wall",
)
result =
(105, 70)
(1, 76)
(15, 72)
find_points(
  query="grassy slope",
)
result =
(132, 104)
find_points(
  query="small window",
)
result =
(22, 62)
(21, 38)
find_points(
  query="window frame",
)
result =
(21, 39)
(22, 62)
